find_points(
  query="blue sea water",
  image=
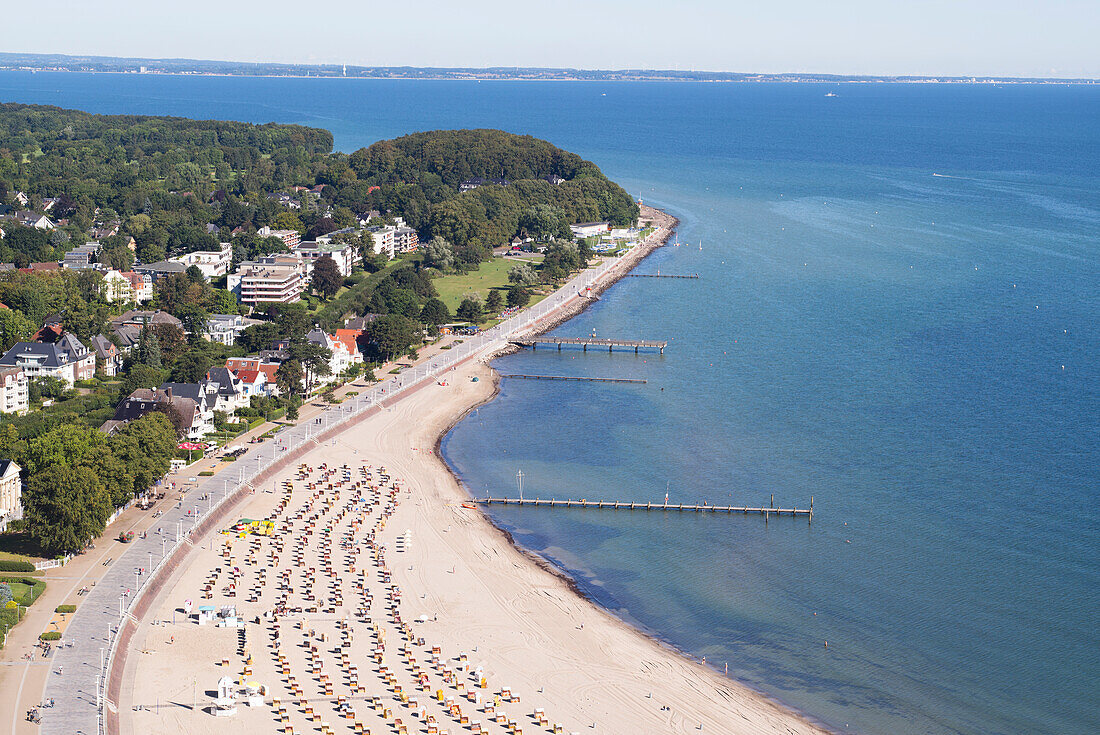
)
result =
(897, 315)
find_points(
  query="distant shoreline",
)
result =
(65, 63)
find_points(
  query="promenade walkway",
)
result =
(87, 686)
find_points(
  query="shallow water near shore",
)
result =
(892, 281)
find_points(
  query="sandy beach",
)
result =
(521, 625)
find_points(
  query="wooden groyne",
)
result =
(586, 342)
(662, 275)
(572, 377)
(677, 507)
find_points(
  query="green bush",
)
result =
(14, 565)
(206, 473)
(50, 635)
(65, 609)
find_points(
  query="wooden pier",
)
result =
(677, 507)
(572, 377)
(662, 275)
(586, 342)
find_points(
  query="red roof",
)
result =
(349, 338)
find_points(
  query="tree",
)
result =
(14, 327)
(494, 302)
(435, 312)
(194, 319)
(326, 276)
(65, 507)
(289, 377)
(321, 227)
(518, 297)
(522, 274)
(469, 310)
(147, 446)
(288, 221)
(191, 367)
(141, 376)
(439, 253)
(147, 350)
(313, 358)
(392, 334)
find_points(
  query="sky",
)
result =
(1033, 38)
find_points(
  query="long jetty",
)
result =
(677, 507)
(572, 377)
(662, 275)
(586, 342)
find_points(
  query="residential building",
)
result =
(589, 229)
(213, 264)
(290, 238)
(383, 238)
(127, 287)
(225, 328)
(360, 323)
(32, 219)
(344, 351)
(14, 395)
(205, 398)
(230, 391)
(475, 182)
(67, 359)
(343, 254)
(161, 269)
(141, 319)
(81, 257)
(11, 493)
(278, 278)
(405, 239)
(108, 357)
(147, 400)
(254, 370)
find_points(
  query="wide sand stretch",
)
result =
(456, 587)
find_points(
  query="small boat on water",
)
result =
(832, 94)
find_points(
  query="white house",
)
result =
(384, 240)
(343, 254)
(213, 264)
(589, 229)
(225, 328)
(289, 237)
(11, 493)
(127, 287)
(344, 355)
(14, 396)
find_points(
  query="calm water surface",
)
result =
(897, 315)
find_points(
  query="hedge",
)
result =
(50, 635)
(37, 588)
(65, 609)
(14, 565)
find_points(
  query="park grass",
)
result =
(493, 274)
(18, 589)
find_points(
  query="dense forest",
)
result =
(164, 179)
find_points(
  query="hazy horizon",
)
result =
(851, 38)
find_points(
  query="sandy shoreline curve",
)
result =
(520, 618)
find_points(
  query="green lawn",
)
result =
(492, 274)
(18, 589)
